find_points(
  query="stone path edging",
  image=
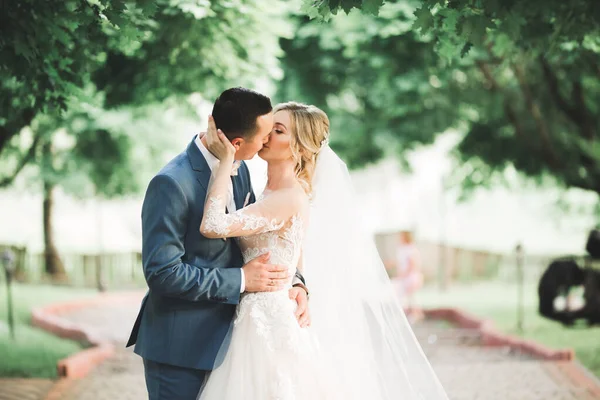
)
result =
(493, 337)
(49, 319)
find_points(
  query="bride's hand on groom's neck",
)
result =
(218, 144)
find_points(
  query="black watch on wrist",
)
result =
(300, 285)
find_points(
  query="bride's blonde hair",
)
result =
(310, 129)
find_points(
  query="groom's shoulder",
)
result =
(178, 170)
(177, 167)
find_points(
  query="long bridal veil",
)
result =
(356, 315)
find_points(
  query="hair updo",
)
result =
(310, 128)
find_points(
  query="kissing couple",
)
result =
(227, 315)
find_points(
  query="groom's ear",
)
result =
(237, 142)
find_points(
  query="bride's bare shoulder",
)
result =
(293, 195)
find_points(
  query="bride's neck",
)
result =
(280, 174)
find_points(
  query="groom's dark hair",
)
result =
(236, 110)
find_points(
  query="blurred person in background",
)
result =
(408, 277)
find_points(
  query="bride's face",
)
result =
(277, 147)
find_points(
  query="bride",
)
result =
(359, 344)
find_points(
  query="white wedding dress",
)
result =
(360, 344)
(270, 356)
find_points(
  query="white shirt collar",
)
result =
(211, 160)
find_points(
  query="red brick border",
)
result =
(49, 319)
(576, 375)
(80, 364)
(493, 337)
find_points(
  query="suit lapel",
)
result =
(199, 164)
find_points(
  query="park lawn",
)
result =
(35, 352)
(498, 301)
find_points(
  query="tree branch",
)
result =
(509, 111)
(513, 117)
(485, 69)
(586, 126)
(577, 114)
(534, 110)
(24, 161)
(555, 91)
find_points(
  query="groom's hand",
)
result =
(302, 312)
(260, 276)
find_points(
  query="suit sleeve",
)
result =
(164, 223)
(298, 277)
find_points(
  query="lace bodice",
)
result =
(275, 223)
(285, 244)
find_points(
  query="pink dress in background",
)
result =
(407, 283)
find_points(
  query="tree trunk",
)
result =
(54, 265)
(20, 273)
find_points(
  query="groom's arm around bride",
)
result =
(164, 217)
(194, 283)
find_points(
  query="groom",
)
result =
(183, 328)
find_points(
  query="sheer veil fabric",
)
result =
(356, 316)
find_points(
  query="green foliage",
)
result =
(194, 46)
(380, 82)
(48, 51)
(536, 115)
(63, 64)
(50, 48)
(520, 79)
(91, 151)
(541, 27)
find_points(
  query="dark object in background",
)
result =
(591, 310)
(593, 244)
(559, 277)
(563, 274)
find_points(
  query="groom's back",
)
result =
(174, 326)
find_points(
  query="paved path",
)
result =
(24, 389)
(467, 370)
(121, 377)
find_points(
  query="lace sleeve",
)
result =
(268, 214)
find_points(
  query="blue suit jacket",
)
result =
(194, 282)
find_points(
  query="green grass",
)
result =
(497, 301)
(35, 352)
